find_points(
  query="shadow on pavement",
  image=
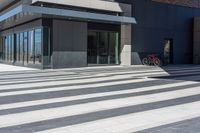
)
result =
(191, 73)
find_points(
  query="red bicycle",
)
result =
(151, 60)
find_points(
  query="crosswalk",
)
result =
(112, 99)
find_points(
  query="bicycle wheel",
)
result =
(157, 62)
(145, 61)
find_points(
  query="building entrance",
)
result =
(168, 51)
(103, 47)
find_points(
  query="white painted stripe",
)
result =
(95, 77)
(51, 75)
(104, 94)
(20, 86)
(98, 73)
(135, 122)
(47, 114)
(74, 87)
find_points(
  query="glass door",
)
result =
(168, 51)
(25, 54)
(103, 47)
(92, 47)
(113, 57)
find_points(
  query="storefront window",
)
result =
(103, 47)
(12, 48)
(46, 47)
(25, 48)
(31, 47)
(17, 48)
(38, 46)
(1, 48)
(6, 49)
(21, 48)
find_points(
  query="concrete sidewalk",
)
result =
(6, 68)
(113, 99)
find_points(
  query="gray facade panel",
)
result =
(69, 36)
(63, 59)
(157, 22)
(69, 44)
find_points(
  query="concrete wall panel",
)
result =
(69, 44)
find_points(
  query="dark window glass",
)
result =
(25, 48)
(17, 47)
(46, 47)
(31, 47)
(113, 48)
(21, 48)
(1, 47)
(38, 45)
(9, 48)
(6, 48)
(12, 48)
(103, 47)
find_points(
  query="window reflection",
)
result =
(103, 47)
(17, 48)
(31, 47)
(6, 49)
(21, 48)
(46, 47)
(1, 48)
(38, 42)
(11, 44)
(25, 47)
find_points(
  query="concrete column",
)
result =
(126, 44)
(126, 31)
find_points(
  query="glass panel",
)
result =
(12, 48)
(6, 48)
(9, 48)
(92, 47)
(21, 48)
(168, 51)
(1, 48)
(103, 48)
(25, 48)
(113, 48)
(17, 48)
(31, 47)
(46, 47)
(38, 46)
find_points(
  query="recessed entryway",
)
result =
(103, 47)
(168, 51)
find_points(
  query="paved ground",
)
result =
(101, 100)
(10, 68)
